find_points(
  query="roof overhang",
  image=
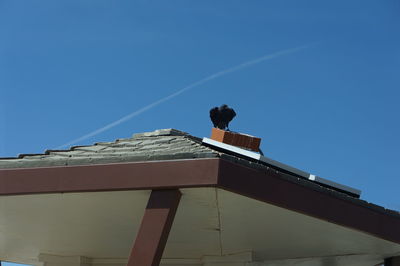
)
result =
(219, 196)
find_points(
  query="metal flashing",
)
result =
(287, 168)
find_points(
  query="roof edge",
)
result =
(161, 132)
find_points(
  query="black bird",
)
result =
(222, 116)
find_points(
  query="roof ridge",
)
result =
(161, 132)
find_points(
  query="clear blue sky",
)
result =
(70, 67)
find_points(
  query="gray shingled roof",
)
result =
(163, 144)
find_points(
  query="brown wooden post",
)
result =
(156, 224)
(393, 261)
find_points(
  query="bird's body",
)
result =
(222, 116)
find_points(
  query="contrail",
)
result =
(191, 86)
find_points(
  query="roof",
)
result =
(163, 144)
(220, 191)
(160, 145)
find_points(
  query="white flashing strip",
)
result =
(247, 153)
(334, 184)
(259, 157)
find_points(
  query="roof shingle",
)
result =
(164, 144)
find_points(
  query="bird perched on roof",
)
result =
(222, 116)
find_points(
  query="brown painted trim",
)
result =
(393, 261)
(110, 177)
(154, 230)
(269, 187)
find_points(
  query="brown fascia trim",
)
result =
(270, 187)
(110, 177)
(267, 186)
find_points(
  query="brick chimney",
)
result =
(236, 139)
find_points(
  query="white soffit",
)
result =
(209, 221)
(276, 234)
(282, 166)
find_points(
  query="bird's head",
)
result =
(224, 106)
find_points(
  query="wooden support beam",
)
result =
(393, 261)
(156, 224)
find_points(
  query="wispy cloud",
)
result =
(191, 86)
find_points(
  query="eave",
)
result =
(269, 186)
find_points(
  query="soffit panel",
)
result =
(275, 233)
